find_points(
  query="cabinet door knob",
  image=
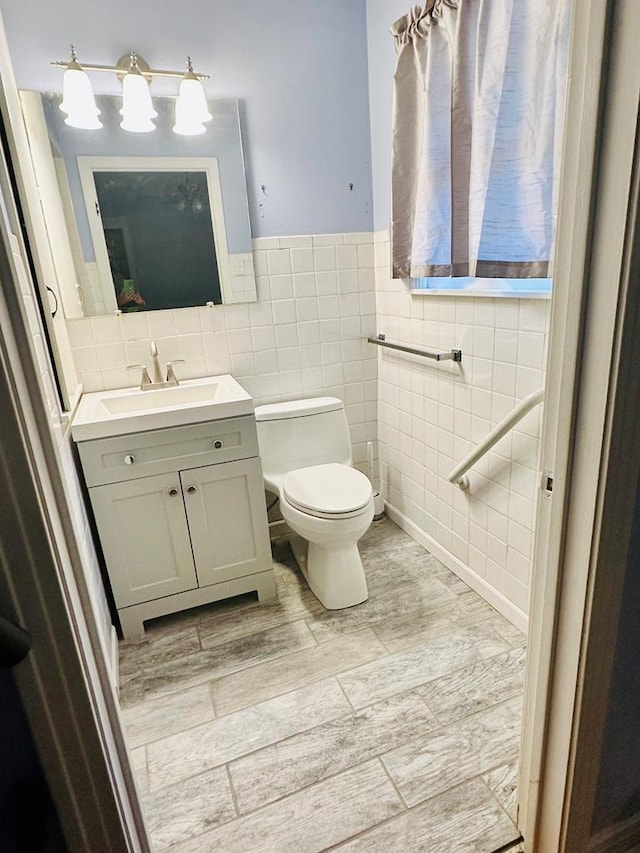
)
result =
(191, 489)
(218, 443)
(173, 492)
(129, 459)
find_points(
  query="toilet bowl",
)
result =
(306, 457)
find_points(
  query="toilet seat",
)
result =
(328, 491)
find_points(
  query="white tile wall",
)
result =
(304, 337)
(319, 297)
(431, 414)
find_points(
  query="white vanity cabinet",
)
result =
(181, 517)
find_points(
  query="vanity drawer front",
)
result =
(112, 460)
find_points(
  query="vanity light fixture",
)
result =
(77, 97)
(137, 108)
(191, 107)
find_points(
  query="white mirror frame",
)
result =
(209, 165)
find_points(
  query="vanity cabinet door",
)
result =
(144, 535)
(227, 519)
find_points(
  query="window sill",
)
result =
(483, 294)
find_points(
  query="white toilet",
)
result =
(306, 460)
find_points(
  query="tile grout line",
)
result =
(234, 797)
(407, 807)
(342, 690)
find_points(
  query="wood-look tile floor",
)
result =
(287, 728)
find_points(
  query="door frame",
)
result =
(64, 683)
(590, 445)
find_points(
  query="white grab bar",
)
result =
(457, 476)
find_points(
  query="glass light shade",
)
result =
(137, 108)
(186, 124)
(78, 100)
(193, 100)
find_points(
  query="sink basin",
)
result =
(110, 413)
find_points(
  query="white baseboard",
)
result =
(491, 595)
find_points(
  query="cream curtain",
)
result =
(477, 125)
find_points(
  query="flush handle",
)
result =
(173, 492)
(191, 489)
(218, 443)
(129, 459)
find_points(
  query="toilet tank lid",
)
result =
(298, 408)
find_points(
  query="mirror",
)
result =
(158, 232)
(153, 220)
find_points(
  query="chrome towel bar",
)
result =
(452, 355)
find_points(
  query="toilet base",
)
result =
(335, 575)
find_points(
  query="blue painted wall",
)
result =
(299, 69)
(381, 14)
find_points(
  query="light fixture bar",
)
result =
(115, 69)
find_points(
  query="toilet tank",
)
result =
(301, 433)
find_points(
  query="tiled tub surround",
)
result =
(389, 726)
(432, 414)
(304, 337)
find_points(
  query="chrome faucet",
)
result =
(155, 380)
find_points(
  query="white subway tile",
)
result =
(533, 315)
(506, 346)
(348, 280)
(288, 359)
(112, 356)
(347, 257)
(358, 237)
(311, 356)
(260, 264)
(328, 307)
(327, 283)
(306, 310)
(187, 321)
(287, 335)
(328, 239)
(507, 313)
(260, 314)
(296, 242)
(263, 338)
(281, 287)
(264, 243)
(325, 258)
(279, 261)
(236, 317)
(366, 280)
(86, 359)
(332, 353)
(106, 330)
(309, 333)
(531, 349)
(365, 256)
(302, 260)
(284, 311)
(80, 332)
(241, 341)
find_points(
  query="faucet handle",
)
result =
(145, 379)
(171, 376)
